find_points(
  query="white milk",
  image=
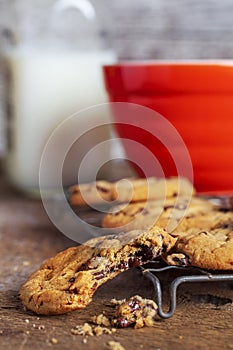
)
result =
(46, 88)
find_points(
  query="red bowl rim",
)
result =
(187, 76)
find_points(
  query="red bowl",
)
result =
(197, 98)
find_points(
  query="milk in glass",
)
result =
(47, 84)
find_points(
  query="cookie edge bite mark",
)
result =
(42, 297)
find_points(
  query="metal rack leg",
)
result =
(175, 284)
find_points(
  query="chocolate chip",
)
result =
(146, 253)
(112, 237)
(81, 268)
(138, 211)
(102, 189)
(134, 305)
(123, 323)
(99, 275)
(180, 206)
(145, 212)
(73, 291)
(168, 207)
(225, 226)
(94, 286)
(164, 248)
(123, 265)
(181, 261)
(224, 210)
(134, 262)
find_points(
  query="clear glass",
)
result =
(53, 53)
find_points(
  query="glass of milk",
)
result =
(52, 73)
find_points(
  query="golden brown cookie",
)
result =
(133, 216)
(204, 230)
(129, 190)
(210, 244)
(68, 281)
(170, 212)
(90, 193)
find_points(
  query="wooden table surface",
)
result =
(203, 319)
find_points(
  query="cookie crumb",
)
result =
(115, 345)
(98, 331)
(27, 320)
(136, 312)
(117, 302)
(85, 329)
(101, 320)
(92, 330)
(54, 340)
(26, 263)
(41, 327)
(84, 340)
(102, 330)
(177, 259)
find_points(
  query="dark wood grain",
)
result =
(27, 238)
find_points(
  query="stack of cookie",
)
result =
(150, 219)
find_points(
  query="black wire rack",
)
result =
(153, 270)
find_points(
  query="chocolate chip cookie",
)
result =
(204, 230)
(128, 190)
(210, 245)
(68, 281)
(168, 214)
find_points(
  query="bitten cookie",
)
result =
(129, 190)
(68, 281)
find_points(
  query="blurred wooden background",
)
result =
(171, 29)
(152, 29)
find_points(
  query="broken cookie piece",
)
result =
(177, 259)
(136, 312)
(68, 281)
